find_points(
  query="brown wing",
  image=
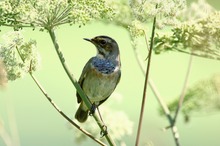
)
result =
(86, 68)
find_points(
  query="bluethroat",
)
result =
(100, 75)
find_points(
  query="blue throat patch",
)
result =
(103, 65)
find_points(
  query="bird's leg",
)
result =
(105, 130)
(92, 110)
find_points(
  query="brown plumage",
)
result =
(100, 75)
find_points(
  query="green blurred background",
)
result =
(40, 125)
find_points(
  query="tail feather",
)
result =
(81, 114)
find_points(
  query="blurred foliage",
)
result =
(3, 75)
(200, 38)
(194, 30)
(118, 124)
(202, 98)
(136, 15)
(19, 56)
(197, 10)
(143, 11)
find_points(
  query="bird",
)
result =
(100, 75)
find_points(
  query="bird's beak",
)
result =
(90, 40)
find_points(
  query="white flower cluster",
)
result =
(198, 10)
(18, 56)
(200, 37)
(86, 10)
(50, 13)
(136, 29)
(168, 12)
(117, 122)
(135, 15)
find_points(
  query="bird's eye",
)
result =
(102, 42)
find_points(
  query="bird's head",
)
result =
(106, 46)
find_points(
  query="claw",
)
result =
(104, 132)
(92, 110)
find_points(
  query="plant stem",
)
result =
(145, 83)
(194, 54)
(55, 106)
(64, 115)
(138, 57)
(77, 86)
(151, 84)
(12, 122)
(7, 140)
(174, 129)
(159, 98)
(181, 99)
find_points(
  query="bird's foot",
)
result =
(104, 132)
(92, 110)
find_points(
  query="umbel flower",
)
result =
(51, 13)
(200, 38)
(18, 56)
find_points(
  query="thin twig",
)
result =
(61, 112)
(5, 136)
(146, 40)
(181, 99)
(12, 122)
(194, 54)
(158, 97)
(145, 83)
(77, 86)
(55, 106)
(138, 57)
(174, 129)
(12, 25)
(152, 85)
